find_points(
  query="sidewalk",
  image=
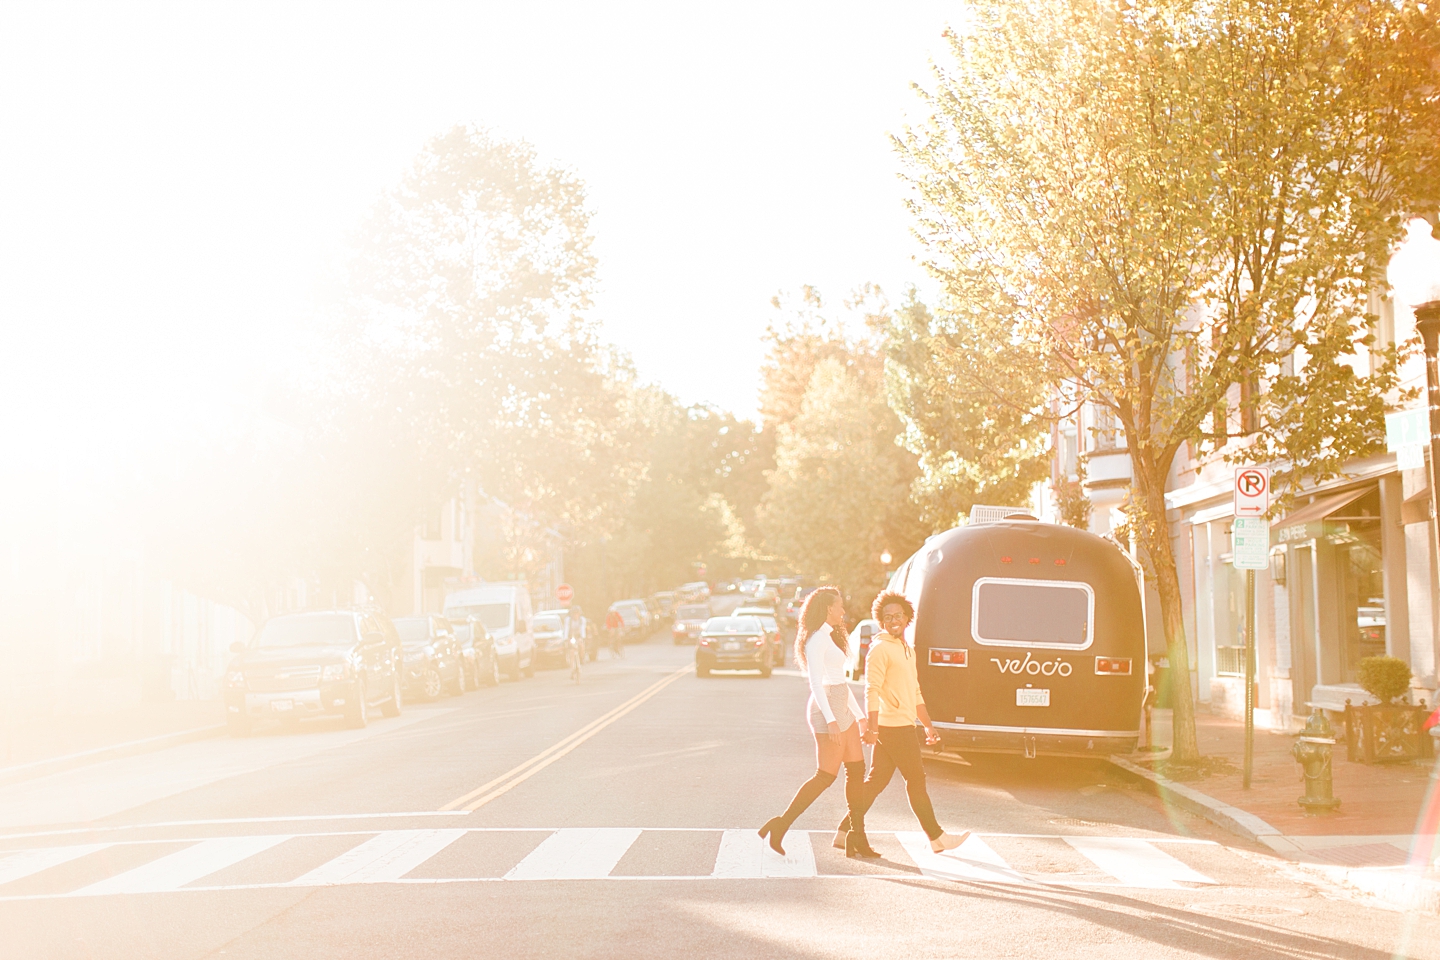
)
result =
(32, 744)
(1364, 844)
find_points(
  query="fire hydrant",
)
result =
(1314, 750)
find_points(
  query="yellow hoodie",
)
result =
(892, 687)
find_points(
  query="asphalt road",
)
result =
(615, 818)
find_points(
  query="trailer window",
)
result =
(1032, 613)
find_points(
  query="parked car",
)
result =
(690, 619)
(504, 609)
(314, 664)
(766, 616)
(482, 664)
(635, 618)
(551, 631)
(694, 592)
(733, 643)
(797, 600)
(859, 642)
(434, 662)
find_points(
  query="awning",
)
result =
(1321, 508)
(1293, 526)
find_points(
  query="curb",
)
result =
(1234, 819)
(44, 768)
(1398, 887)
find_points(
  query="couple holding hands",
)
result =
(892, 705)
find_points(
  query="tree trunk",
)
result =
(1155, 535)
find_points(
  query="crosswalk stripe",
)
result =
(17, 866)
(591, 853)
(1136, 863)
(743, 854)
(972, 860)
(182, 867)
(576, 853)
(387, 856)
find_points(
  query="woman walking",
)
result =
(892, 695)
(835, 717)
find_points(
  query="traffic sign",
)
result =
(1252, 491)
(564, 593)
(1251, 544)
(1407, 434)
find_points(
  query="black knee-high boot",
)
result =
(776, 827)
(856, 845)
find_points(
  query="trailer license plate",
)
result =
(1028, 697)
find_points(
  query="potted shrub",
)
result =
(1390, 730)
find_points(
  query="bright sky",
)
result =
(177, 177)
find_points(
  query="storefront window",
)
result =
(1362, 585)
(1230, 636)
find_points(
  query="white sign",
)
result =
(1407, 433)
(1251, 549)
(1408, 428)
(1252, 491)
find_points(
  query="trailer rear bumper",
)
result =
(1036, 741)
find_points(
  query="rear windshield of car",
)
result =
(732, 625)
(312, 631)
(549, 624)
(1033, 613)
(413, 631)
(693, 613)
(495, 616)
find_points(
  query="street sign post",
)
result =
(564, 593)
(1250, 551)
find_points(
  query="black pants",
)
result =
(899, 749)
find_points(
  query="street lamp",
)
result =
(1415, 275)
(885, 558)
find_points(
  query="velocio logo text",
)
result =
(1036, 668)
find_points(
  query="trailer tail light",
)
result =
(1112, 666)
(941, 657)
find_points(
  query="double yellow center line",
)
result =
(511, 779)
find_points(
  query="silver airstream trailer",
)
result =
(1029, 637)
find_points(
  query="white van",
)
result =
(504, 609)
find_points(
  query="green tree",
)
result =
(1171, 207)
(980, 438)
(838, 496)
(464, 308)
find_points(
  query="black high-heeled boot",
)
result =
(776, 827)
(858, 846)
(854, 788)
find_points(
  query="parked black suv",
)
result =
(314, 664)
(434, 661)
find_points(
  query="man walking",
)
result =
(894, 702)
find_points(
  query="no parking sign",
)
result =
(1252, 491)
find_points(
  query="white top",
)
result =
(825, 666)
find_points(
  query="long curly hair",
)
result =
(812, 617)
